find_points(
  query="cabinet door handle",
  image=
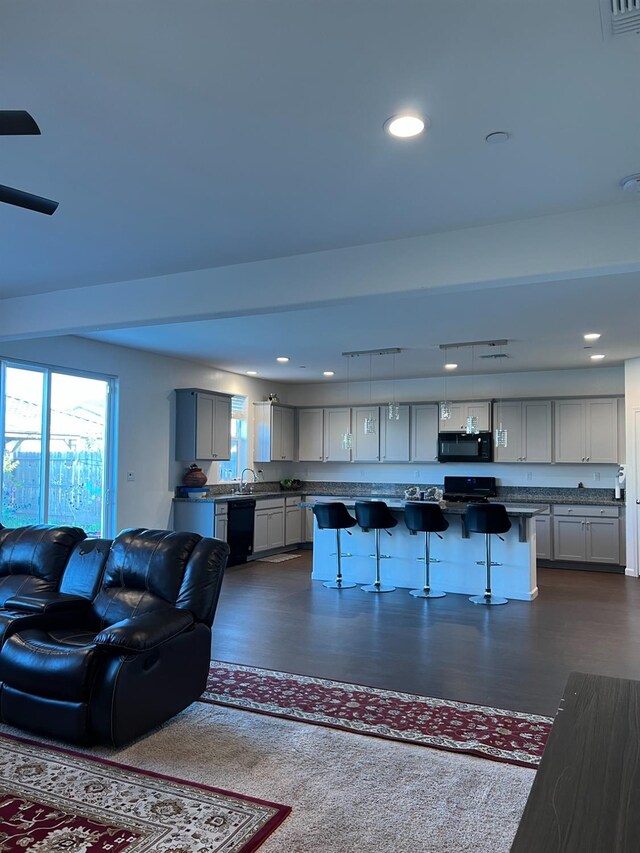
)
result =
(583, 458)
(588, 458)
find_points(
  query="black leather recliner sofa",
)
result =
(112, 666)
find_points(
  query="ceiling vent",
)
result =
(625, 16)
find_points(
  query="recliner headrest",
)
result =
(151, 560)
(38, 550)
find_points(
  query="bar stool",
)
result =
(488, 519)
(427, 519)
(375, 515)
(334, 516)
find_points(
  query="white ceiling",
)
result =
(201, 133)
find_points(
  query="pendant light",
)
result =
(472, 420)
(369, 422)
(445, 405)
(502, 435)
(393, 409)
(347, 437)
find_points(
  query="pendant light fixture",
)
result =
(369, 422)
(393, 409)
(502, 435)
(445, 405)
(472, 420)
(347, 437)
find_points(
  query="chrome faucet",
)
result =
(245, 488)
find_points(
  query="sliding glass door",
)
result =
(56, 450)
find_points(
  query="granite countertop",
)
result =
(452, 508)
(234, 496)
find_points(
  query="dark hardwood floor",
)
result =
(516, 657)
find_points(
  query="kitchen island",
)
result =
(457, 560)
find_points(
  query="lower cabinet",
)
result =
(292, 522)
(268, 531)
(586, 534)
(544, 539)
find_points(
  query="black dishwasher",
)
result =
(240, 530)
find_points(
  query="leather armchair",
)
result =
(111, 668)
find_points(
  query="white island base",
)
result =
(454, 558)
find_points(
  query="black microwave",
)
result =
(461, 447)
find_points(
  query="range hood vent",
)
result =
(625, 16)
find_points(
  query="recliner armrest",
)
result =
(47, 602)
(144, 632)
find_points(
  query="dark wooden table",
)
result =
(586, 794)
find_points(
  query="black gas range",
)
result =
(469, 489)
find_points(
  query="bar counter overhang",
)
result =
(457, 560)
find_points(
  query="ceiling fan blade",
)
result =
(8, 195)
(17, 123)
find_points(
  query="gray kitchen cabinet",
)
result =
(337, 422)
(461, 411)
(268, 531)
(394, 435)
(366, 446)
(274, 433)
(588, 534)
(569, 539)
(194, 517)
(311, 435)
(529, 433)
(424, 432)
(203, 425)
(292, 522)
(544, 539)
(586, 430)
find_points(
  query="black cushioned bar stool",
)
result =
(334, 516)
(375, 515)
(427, 519)
(488, 519)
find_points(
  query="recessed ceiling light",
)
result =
(450, 366)
(406, 125)
(252, 372)
(282, 359)
(497, 137)
(597, 357)
(328, 373)
(592, 336)
(631, 184)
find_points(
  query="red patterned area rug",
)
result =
(509, 736)
(56, 800)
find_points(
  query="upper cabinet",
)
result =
(461, 411)
(311, 435)
(586, 430)
(337, 422)
(366, 445)
(394, 435)
(529, 434)
(424, 432)
(203, 425)
(274, 433)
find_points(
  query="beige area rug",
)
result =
(349, 793)
(278, 558)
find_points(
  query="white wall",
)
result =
(146, 415)
(632, 407)
(549, 383)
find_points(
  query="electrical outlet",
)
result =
(529, 475)
(131, 475)
(416, 473)
(596, 475)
